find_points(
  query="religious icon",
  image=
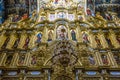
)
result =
(26, 42)
(16, 43)
(85, 38)
(90, 7)
(62, 32)
(62, 35)
(21, 59)
(16, 18)
(80, 7)
(89, 11)
(50, 35)
(25, 16)
(73, 34)
(104, 59)
(108, 41)
(34, 60)
(117, 58)
(8, 60)
(91, 60)
(42, 18)
(39, 37)
(61, 15)
(80, 17)
(52, 17)
(98, 41)
(71, 17)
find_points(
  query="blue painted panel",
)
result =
(91, 73)
(12, 73)
(35, 73)
(115, 73)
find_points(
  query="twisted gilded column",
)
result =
(92, 39)
(27, 59)
(22, 40)
(68, 31)
(98, 56)
(113, 39)
(102, 39)
(32, 40)
(54, 32)
(112, 60)
(12, 40)
(15, 59)
(44, 35)
(2, 59)
(2, 38)
(47, 32)
(110, 63)
(79, 33)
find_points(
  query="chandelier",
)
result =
(64, 54)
